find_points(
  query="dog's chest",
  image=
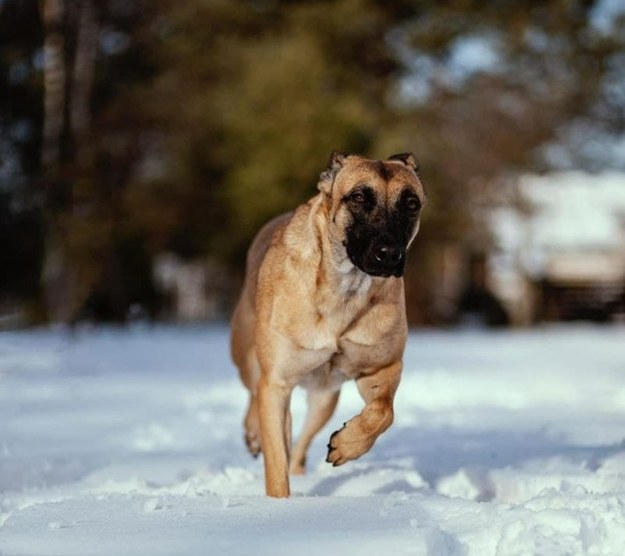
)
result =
(358, 348)
(337, 323)
(333, 315)
(342, 320)
(361, 335)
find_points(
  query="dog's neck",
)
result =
(350, 281)
(338, 271)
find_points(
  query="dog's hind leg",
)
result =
(249, 372)
(252, 426)
(321, 406)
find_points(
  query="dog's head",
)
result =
(374, 209)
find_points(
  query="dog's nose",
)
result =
(387, 254)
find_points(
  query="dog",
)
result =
(323, 302)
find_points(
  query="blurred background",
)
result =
(144, 142)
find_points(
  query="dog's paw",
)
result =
(252, 441)
(297, 469)
(334, 455)
(347, 444)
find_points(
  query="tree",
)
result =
(184, 125)
(85, 171)
(492, 89)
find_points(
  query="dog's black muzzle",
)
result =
(381, 256)
(385, 259)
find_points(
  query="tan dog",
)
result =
(322, 302)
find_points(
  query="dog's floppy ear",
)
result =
(326, 178)
(408, 159)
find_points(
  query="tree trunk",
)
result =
(56, 281)
(66, 151)
(84, 72)
(54, 82)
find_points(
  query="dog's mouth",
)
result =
(384, 273)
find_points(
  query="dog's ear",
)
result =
(408, 159)
(326, 178)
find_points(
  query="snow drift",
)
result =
(130, 442)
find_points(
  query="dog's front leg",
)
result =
(359, 434)
(273, 400)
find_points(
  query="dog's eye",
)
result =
(361, 198)
(413, 204)
(358, 197)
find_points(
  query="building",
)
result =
(565, 258)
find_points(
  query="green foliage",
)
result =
(263, 110)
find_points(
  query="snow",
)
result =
(605, 15)
(571, 212)
(576, 210)
(129, 441)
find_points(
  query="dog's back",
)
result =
(244, 316)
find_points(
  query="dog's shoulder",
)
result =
(291, 236)
(265, 237)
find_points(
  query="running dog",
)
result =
(323, 302)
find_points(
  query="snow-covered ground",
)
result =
(118, 442)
